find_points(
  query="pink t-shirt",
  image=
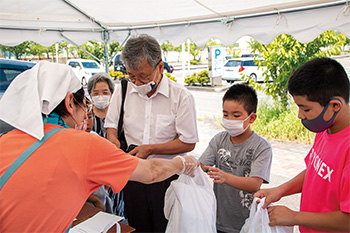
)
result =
(48, 190)
(327, 180)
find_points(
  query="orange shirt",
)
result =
(48, 190)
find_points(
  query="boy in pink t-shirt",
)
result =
(320, 88)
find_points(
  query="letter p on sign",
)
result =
(217, 53)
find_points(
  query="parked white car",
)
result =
(85, 68)
(235, 68)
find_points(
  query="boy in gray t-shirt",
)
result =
(242, 159)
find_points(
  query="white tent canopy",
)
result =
(47, 22)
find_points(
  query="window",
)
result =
(233, 63)
(73, 64)
(90, 65)
(249, 63)
(6, 76)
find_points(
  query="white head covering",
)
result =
(35, 91)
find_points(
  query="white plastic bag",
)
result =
(190, 204)
(258, 221)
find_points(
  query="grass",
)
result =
(274, 124)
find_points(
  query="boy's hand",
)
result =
(216, 174)
(281, 216)
(271, 194)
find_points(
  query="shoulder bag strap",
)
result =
(25, 155)
(124, 84)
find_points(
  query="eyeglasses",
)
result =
(89, 108)
(86, 108)
(140, 79)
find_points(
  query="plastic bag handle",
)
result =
(200, 178)
(254, 206)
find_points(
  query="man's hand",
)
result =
(96, 202)
(112, 136)
(215, 173)
(271, 194)
(281, 216)
(115, 142)
(142, 151)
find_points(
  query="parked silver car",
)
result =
(236, 68)
(84, 68)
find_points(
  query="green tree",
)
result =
(51, 50)
(97, 49)
(195, 51)
(65, 48)
(36, 49)
(233, 50)
(112, 48)
(166, 47)
(285, 54)
(212, 42)
(347, 42)
(179, 50)
(18, 51)
(93, 47)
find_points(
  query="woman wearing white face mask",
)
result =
(100, 88)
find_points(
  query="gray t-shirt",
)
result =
(252, 158)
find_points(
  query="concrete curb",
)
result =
(208, 88)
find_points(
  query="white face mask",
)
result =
(234, 127)
(101, 101)
(145, 88)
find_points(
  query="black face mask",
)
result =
(319, 124)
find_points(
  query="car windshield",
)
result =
(233, 63)
(90, 65)
(250, 63)
(6, 77)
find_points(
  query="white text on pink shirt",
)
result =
(321, 168)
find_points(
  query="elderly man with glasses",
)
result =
(159, 117)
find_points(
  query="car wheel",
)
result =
(253, 77)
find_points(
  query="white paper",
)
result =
(100, 222)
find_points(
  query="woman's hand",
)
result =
(190, 164)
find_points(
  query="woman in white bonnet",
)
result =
(47, 190)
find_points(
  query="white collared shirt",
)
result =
(168, 114)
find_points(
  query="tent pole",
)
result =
(183, 60)
(105, 37)
(73, 43)
(120, 46)
(85, 14)
(188, 55)
(106, 57)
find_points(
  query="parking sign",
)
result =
(217, 61)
